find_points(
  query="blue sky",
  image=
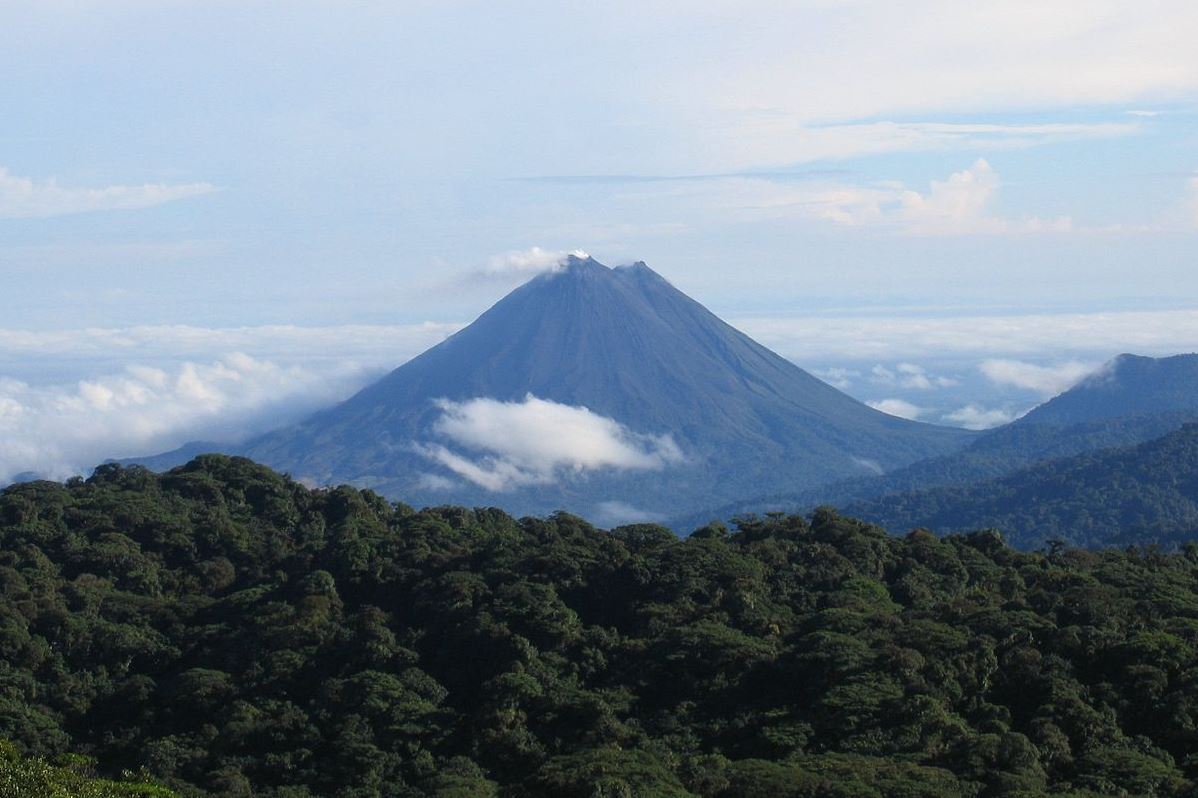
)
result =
(325, 188)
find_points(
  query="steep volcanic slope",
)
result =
(631, 348)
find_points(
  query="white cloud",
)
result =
(148, 389)
(533, 260)
(962, 205)
(1046, 380)
(59, 431)
(898, 407)
(973, 416)
(536, 441)
(910, 376)
(24, 198)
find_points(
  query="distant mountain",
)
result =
(1129, 385)
(1130, 400)
(1140, 495)
(680, 409)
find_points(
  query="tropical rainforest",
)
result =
(223, 630)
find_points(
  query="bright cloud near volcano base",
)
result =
(504, 445)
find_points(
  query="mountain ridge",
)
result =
(1131, 400)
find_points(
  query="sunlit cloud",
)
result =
(507, 445)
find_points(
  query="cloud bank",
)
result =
(25, 198)
(536, 442)
(1045, 380)
(57, 432)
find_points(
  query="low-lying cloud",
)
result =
(1045, 380)
(507, 445)
(973, 416)
(60, 431)
(898, 407)
(910, 376)
(25, 198)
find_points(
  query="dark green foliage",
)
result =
(1139, 495)
(237, 634)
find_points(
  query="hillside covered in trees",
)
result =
(235, 633)
(1134, 495)
(994, 454)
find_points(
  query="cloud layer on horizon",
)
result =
(58, 432)
(67, 425)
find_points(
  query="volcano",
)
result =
(606, 392)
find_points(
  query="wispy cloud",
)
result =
(373, 345)
(755, 104)
(525, 261)
(790, 139)
(910, 376)
(25, 198)
(961, 204)
(1046, 380)
(506, 445)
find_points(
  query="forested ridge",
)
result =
(995, 454)
(1130, 495)
(232, 632)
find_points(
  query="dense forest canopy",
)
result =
(235, 633)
